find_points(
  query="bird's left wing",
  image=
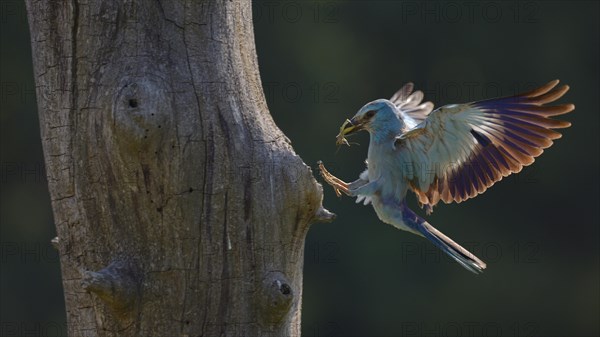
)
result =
(461, 150)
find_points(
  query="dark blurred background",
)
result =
(320, 62)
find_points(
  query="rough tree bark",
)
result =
(181, 209)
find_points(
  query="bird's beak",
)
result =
(350, 126)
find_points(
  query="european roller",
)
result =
(451, 154)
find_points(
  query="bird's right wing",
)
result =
(412, 111)
(463, 149)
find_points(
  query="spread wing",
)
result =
(461, 150)
(409, 105)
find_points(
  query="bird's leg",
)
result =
(367, 189)
(357, 184)
(337, 184)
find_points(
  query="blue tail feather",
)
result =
(454, 250)
(447, 245)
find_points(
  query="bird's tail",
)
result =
(458, 253)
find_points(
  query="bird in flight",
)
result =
(450, 154)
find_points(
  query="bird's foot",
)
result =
(337, 184)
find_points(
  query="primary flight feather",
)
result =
(450, 154)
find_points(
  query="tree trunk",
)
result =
(181, 209)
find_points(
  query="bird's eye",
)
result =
(370, 113)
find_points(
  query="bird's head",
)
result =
(378, 117)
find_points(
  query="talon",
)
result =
(337, 192)
(337, 184)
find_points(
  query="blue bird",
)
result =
(451, 154)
